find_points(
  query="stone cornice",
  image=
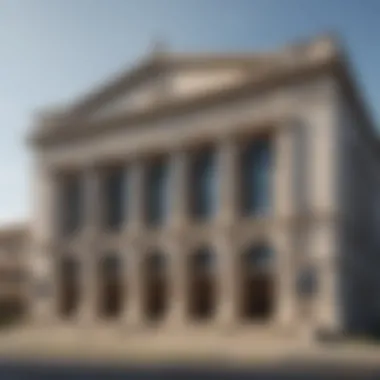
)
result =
(75, 128)
(72, 128)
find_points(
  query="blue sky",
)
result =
(51, 50)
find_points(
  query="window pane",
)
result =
(157, 192)
(259, 258)
(115, 184)
(204, 260)
(256, 178)
(204, 185)
(70, 204)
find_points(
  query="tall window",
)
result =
(256, 173)
(203, 184)
(71, 204)
(115, 185)
(156, 201)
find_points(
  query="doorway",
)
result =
(111, 295)
(257, 283)
(202, 284)
(68, 286)
(155, 275)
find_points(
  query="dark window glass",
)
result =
(259, 258)
(204, 260)
(115, 186)
(156, 202)
(203, 186)
(71, 204)
(256, 178)
(111, 266)
(70, 268)
(157, 262)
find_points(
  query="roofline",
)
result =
(158, 63)
(336, 64)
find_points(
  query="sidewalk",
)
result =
(115, 346)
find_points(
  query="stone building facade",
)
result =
(14, 240)
(210, 189)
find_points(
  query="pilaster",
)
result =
(284, 212)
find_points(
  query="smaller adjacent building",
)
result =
(13, 271)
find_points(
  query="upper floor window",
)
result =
(157, 195)
(256, 172)
(70, 204)
(203, 184)
(115, 185)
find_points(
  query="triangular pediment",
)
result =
(167, 79)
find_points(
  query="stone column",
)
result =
(92, 212)
(285, 269)
(136, 197)
(42, 292)
(176, 244)
(179, 189)
(133, 312)
(329, 300)
(132, 256)
(177, 288)
(325, 154)
(227, 208)
(283, 174)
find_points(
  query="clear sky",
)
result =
(51, 50)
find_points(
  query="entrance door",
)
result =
(69, 286)
(257, 283)
(202, 284)
(155, 273)
(110, 286)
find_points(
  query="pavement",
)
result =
(116, 346)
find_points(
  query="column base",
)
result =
(133, 320)
(176, 318)
(226, 318)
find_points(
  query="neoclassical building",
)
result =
(210, 190)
